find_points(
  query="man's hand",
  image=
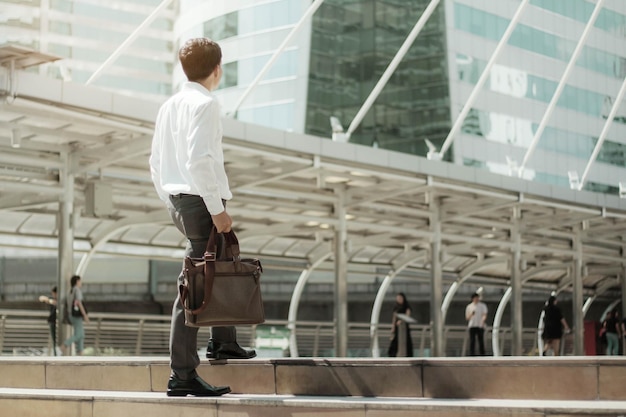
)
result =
(222, 222)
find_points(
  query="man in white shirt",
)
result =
(187, 168)
(476, 316)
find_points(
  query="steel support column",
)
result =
(516, 285)
(65, 227)
(341, 279)
(623, 286)
(577, 293)
(436, 280)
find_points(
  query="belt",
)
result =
(182, 195)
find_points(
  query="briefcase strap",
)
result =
(230, 250)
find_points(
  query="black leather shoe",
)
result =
(229, 350)
(197, 386)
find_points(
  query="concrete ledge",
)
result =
(60, 403)
(562, 378)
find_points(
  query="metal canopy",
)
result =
(286, 187)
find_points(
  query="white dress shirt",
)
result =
(479, 311)
(187, 155)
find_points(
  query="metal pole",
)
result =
(483, 78)
(65, 226)
(436, 280)
(341, 279)
(559, 89)
(577, 293)
(131, 38)
(605, 130)
(623, 288)
(516, 285)
(419, 25)
(309, 12)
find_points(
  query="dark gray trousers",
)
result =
(191, 217)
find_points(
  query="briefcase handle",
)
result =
(229, 246)
(231, 252)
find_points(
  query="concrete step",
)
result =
(510, 378)
(86, 403)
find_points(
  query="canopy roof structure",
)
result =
(298, 199)
(287, 188)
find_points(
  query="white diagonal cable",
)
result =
(483, 78)
(419, 25)
(559, 89)
(605, 131)
(131, 38)
(309, 12)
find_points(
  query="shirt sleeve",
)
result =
(155, 163)
(205, 153)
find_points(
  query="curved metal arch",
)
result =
(156, 216)
(609, 308)
(599, 291)
(295, 301)
(540, 324)
(497, 319)
(464, 275)
(398, 266)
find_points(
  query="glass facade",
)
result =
(352, 43)
(491, 26)
(248, 36)
(512, 126)
(334, 62)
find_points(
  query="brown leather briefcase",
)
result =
(224, 291)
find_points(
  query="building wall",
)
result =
(249, 32)
(85, 33)
(505, 117)
(333, 63)
(352, 45)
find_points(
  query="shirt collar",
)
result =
(192, 85)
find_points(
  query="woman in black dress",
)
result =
(553, 324)
(401, 307)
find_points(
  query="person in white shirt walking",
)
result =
(187, 169)
(476, 316)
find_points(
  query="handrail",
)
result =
(119, 334)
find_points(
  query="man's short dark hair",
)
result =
(199, 57)
(475, 295)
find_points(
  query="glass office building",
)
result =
(332, 64)
(337, 59)
(524, 79)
